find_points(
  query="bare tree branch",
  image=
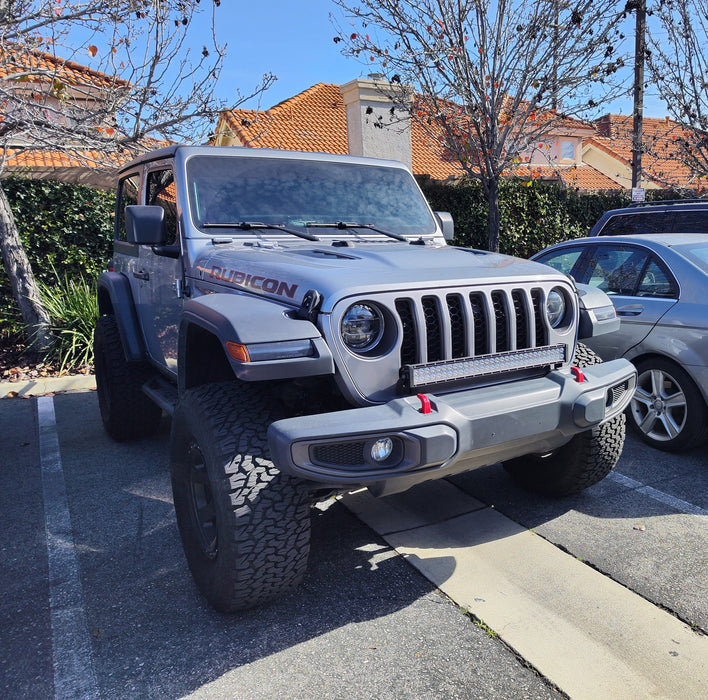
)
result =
(678, 62)
(98, 81)
(492, 78)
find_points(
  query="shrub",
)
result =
(73, 309)
(64, 228)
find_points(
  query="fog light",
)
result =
(381, 450)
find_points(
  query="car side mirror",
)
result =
(145, 224)
(597, 313)
(446, 224)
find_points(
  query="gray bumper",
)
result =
(462, 431)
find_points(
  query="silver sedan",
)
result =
(658, 284)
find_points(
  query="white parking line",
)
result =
(665, 498)
(72, 656)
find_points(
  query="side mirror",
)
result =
(446, 224)
(145, 224)
(597, 313)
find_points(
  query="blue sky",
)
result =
(294, 41)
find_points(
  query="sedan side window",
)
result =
(657, 283)
(616, 270)
(562, 260)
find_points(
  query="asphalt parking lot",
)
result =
(97, 600)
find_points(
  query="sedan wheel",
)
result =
(667, 409)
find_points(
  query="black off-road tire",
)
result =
(587, 459)
(245, 526)
(127, 413)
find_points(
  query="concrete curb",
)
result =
(47, 385)
(589, 635)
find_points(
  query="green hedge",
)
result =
(70, 227)
(533, 215)
(67, 227)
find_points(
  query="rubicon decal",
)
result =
(259, 282)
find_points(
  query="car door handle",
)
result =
(141, 275)
(630, 310)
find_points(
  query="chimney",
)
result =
(377, 127)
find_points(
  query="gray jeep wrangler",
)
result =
(304, 322)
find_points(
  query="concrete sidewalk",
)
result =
(590, 636)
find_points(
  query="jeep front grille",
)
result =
(441, 326)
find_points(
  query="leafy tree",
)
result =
(490, 79)
(144, 85)
(678, 62)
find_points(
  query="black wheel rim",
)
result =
(201, 502)
(102, 385)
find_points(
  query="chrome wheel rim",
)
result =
(659, 406)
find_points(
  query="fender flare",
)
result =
(115, 297)
(251, 320)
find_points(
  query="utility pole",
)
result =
(639, 52)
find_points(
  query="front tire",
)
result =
(127, 413)
(667, 410)
(587, 459)
(245, 526)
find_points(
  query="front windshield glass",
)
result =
(291, 192)
(697, 253)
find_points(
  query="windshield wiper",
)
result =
(347, 224)
(247, 225)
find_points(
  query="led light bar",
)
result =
(470, 367)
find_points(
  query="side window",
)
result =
(645, 222)
(655, 282)
(127, 194)
(563, 260)
(691, 222)
(616, 270)
(161, 192)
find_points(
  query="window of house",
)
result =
(568, 150)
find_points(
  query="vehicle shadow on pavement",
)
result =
(152, 633)
(685, 475)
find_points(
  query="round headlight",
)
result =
(555, 307)
(362, 327)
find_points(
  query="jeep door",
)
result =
(159, 271)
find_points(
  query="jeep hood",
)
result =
(339, 272)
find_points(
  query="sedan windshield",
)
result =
(297, 193)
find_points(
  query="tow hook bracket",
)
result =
(425, 405)
(578, 374)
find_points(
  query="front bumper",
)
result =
(462, 431)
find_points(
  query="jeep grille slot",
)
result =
(442, 326)
(540, 326)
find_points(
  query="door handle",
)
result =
(141, 275)
(630, 310)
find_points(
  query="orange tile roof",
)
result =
(662, 158)
(59, 159)
(314, 120)
(15, 59)
(583, 176)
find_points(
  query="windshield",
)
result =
(291, 192)
(697, 253)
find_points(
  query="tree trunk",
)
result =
(24, 286)
(492, 188)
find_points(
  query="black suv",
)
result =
(669, 216)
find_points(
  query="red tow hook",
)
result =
(578, 374)
(425, 406)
